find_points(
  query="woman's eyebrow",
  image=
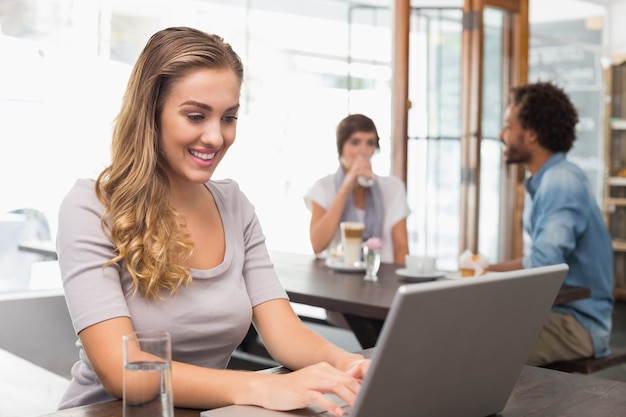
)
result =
(206, 106)
(195, 103)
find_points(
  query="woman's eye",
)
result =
(195, 117)
(230, 119)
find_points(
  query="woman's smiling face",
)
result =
(198, 123)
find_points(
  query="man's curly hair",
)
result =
(545, 109)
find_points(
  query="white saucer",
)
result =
(419, 276)
(339, 265)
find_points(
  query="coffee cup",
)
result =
(351, 240)
(420, 264)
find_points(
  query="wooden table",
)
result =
(538, 393)
(364, 305)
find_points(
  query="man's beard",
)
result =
(517, 158)
(517, 153)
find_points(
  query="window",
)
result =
(308, 64)
(65, 64)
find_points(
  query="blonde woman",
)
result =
(154, 243)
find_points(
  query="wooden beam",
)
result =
(400, 88)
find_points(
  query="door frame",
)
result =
(515, 72)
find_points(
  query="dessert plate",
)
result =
(454, 275)
(339, 265)
(419, 276)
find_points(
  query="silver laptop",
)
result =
(448, 348)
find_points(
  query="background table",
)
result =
(364, 305)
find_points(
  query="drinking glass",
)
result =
(147, 389)
(371, 257)
(365, 181)
(351, 239)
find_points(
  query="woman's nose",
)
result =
(212, 134)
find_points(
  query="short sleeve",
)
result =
(395, 200)
(322, 192)
(94, 293)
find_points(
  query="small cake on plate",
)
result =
(471, 264)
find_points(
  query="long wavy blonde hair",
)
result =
(134, 189)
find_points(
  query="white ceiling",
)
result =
(457, 3)
(553, 10)
(604, 2)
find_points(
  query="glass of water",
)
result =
(365, 181)
(371, 258)
(147, 374)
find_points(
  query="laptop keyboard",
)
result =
(346, 412)
(344, 406)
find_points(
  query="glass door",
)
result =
(434, 132)
(495, 51)
(462, 62)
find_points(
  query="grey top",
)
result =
(207, 320)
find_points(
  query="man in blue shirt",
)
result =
(562, 222)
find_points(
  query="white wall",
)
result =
(617, 29)
(36, 326)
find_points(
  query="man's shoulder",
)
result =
(567, 164)
(565, 174)
(566, 184)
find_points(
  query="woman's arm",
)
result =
(198, 387)
(506, 266)
(193, 386)
(324, 223)
(321, 367)
(292, 343)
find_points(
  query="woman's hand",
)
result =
(320, 366)
(307, 386)
(355, 168)
(359, 368)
